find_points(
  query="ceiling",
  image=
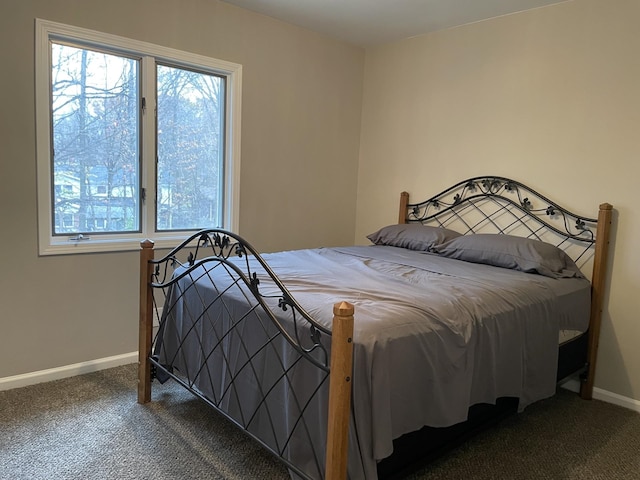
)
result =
(374, 22)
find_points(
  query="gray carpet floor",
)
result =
(90, 427)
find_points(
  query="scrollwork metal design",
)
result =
(214, 247)
(508, 196)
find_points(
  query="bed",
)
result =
(362, 361)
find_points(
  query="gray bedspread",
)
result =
(432, 337)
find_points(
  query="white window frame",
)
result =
(54, 245)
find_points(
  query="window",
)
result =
(134, 141)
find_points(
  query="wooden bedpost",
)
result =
(146, 322)
(404, 202)
(598, 280)
(339, 392)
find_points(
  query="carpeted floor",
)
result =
(90, 427)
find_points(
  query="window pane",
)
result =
(190, 149)
(95, 141)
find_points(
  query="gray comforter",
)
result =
(432, 337)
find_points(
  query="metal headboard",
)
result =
(491, 204)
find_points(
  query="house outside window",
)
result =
(134, 141)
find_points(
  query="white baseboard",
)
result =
(50, 374)
(616, 399)
(605, 396)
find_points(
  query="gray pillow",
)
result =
(413, 236)
(507, 251)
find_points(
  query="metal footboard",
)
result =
(215, 318)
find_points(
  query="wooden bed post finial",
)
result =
(404, 202)
(339, 392)
(145, 322)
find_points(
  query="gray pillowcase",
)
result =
(507, 251)
(413, 236)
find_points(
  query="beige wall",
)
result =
(550, 97)
(300, 139)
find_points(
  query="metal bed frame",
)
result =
(506, 206)
(477, 205)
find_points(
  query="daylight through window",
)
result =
(96, 131)
(134, 141)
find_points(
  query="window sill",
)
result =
(70, 247)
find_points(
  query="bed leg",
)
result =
(145, 323)
(339, 392)
(598, 280)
